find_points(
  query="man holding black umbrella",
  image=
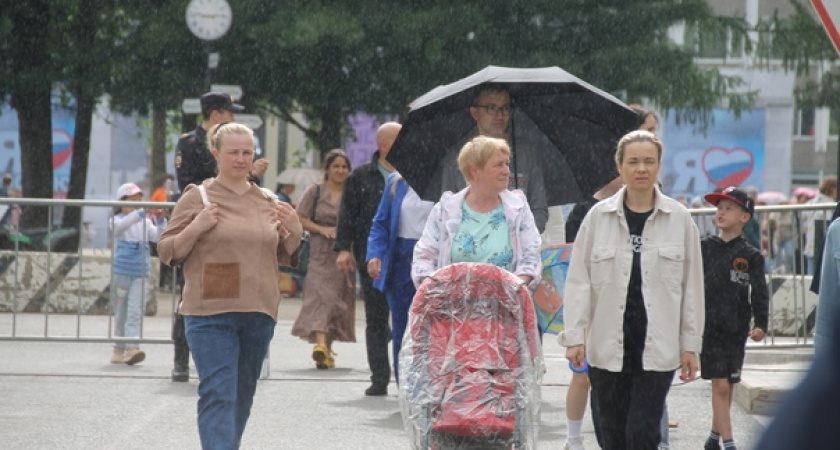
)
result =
(561, 130)
(491, 110)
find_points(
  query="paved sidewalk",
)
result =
(63, 395)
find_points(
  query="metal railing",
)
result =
(28, 263)
(41, 321)
(788, 272)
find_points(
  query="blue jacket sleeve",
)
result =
(379, 231)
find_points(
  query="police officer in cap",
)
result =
(193, 164)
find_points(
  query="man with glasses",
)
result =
(491, 110)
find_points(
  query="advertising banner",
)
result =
(729, 153)
(63, 132)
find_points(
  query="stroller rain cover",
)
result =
(471, 361)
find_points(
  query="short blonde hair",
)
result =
(634, 137)
(214, 136)
(477, 152)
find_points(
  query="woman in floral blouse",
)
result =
(484, 222)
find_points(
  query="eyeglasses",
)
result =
(494, 110)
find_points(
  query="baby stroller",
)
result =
(471, 362)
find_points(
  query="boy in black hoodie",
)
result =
(731, 267)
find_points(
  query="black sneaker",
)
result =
(181, 373)
(711, 445)
(377, 390)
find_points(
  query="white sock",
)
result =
(573, 427)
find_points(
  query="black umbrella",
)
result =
(571, 125)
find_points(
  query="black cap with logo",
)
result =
(733, 194)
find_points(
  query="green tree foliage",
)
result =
(87, 36)
(63, 45)
(803, 45)
(798, 40)
(27, 74)
(160, 64)
(329, 59)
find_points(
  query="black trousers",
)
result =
(630, 406)
(179, 335)
(377, 330)
(179, 338)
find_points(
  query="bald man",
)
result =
(359, 202)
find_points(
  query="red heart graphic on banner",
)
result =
(727, 167)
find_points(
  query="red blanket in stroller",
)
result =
(473, 357)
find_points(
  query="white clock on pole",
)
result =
(209, 19)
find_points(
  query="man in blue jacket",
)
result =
(359, 202)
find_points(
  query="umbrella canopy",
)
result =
(548, 298)
(771, 197)
(570, 126)
(300, 176)
(807, 192)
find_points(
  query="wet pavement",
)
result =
(66, 395)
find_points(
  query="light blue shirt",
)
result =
(483, 237)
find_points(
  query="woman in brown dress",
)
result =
(328, 313)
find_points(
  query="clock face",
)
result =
(209, 19)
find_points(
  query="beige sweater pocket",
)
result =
(221, 280)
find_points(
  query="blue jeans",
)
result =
(785, 256)
(663, 428)
(228, 350)
(128, 303)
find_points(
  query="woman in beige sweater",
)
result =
(231, 235)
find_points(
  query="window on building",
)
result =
(805, 121)
(712, 42)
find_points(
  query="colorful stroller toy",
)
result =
(471, 362)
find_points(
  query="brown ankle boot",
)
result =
(133, 356)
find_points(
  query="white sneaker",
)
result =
(574, 443)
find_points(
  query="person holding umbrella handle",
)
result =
(491, 109)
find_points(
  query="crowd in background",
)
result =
(788, 240)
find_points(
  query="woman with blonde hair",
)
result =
(634, 298)
(231, 236)
(484, 222)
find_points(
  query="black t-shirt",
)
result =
(635, 315)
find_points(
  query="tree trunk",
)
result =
(158, 163)
(72, 217)
(30, 97)
(329, 136)
(84, 32)
(35, 128)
